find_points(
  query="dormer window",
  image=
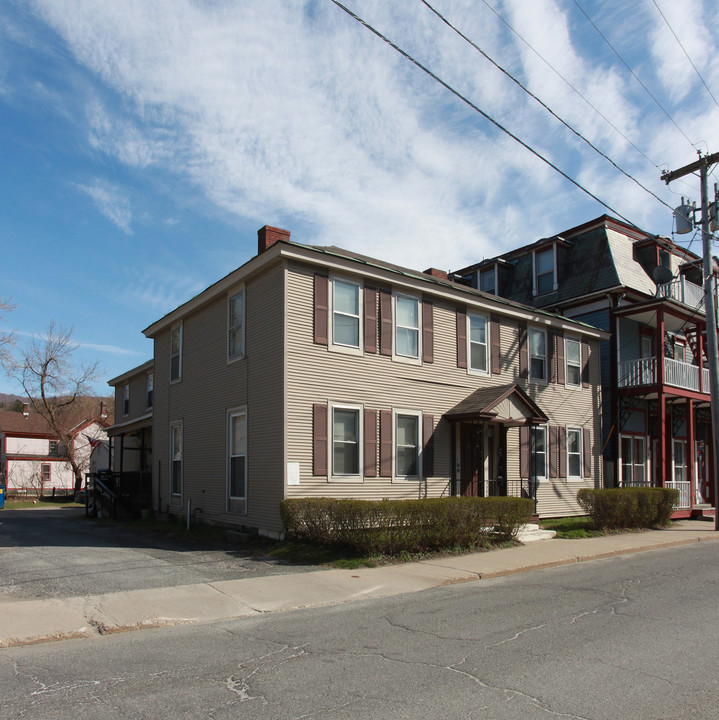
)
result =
(544, 275)
(488, 280)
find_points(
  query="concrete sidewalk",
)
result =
(30, 621)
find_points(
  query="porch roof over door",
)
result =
(507, 404)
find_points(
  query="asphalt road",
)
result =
(59, 553)
(630, 637)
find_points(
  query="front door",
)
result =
(471, 477)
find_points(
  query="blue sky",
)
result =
(144, 142)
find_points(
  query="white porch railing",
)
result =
(681, 374)
(633, 373)
(684, 487)
(637, 372)
(684, 292)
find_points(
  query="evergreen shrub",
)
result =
(629, 507)
(390, 527)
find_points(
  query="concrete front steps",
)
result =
(531, 532)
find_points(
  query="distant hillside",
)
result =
(86, 406)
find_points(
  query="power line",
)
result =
(685, 52)
(479, 110)
(544, 105)
(571, 86)
(634, 75)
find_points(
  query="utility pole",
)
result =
(713, 355)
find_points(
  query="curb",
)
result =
(93, 616)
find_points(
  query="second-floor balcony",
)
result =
(634, 373)
(684, 292)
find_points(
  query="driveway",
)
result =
(59, 553)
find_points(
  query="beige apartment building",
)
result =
(315, 371)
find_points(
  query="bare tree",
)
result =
(57, 385)
(6, 339)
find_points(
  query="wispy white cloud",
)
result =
(112, 202)
(279, 112)
(109, 349)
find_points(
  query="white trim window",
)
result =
(538, 452)
(149, 390)
(346, 441)
(633, 461)
(477, 337)
(176, 353)
(176, 445)
(544, 271)
(126, 399)
(537, 355)
(407, 459)
(236, 325)
(574, 453)
(346, 313)
(237, 454)
(406, 326)
(573, 356)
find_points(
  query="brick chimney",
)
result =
(441, 274)
(25, 409)
(267, 236)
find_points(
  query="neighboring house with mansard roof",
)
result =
(315, 371)
(655, 383)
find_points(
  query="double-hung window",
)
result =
(573, 351)
(633, 451)
(406, 444)
(544, 271)
(237, 455)
(538, 452)
(346, 441)
(126, 399)
(478, 343)
(346, 313)
(574, 453)
(236, 325)
(406, 326)
(176, 459)
(537, 354)
(176, 353)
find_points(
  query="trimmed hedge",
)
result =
(389, 527)
(629, 507)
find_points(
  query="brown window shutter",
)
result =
(428, 443)
(385, 443)
(561, 377)
(495, 339)
(321, 309)
(552, 356)
(370, 320)
(524, 451)
(461, 339)
(553, 451)
(427, 331)
(370, 443)
(562, 452)
(319, 439)
(523, 351)
(385, 313)
(587, 454)
(585, 364)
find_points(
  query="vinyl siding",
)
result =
(317, 374)
(209, 387)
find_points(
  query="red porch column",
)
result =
(690, 449)
(661, 402)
